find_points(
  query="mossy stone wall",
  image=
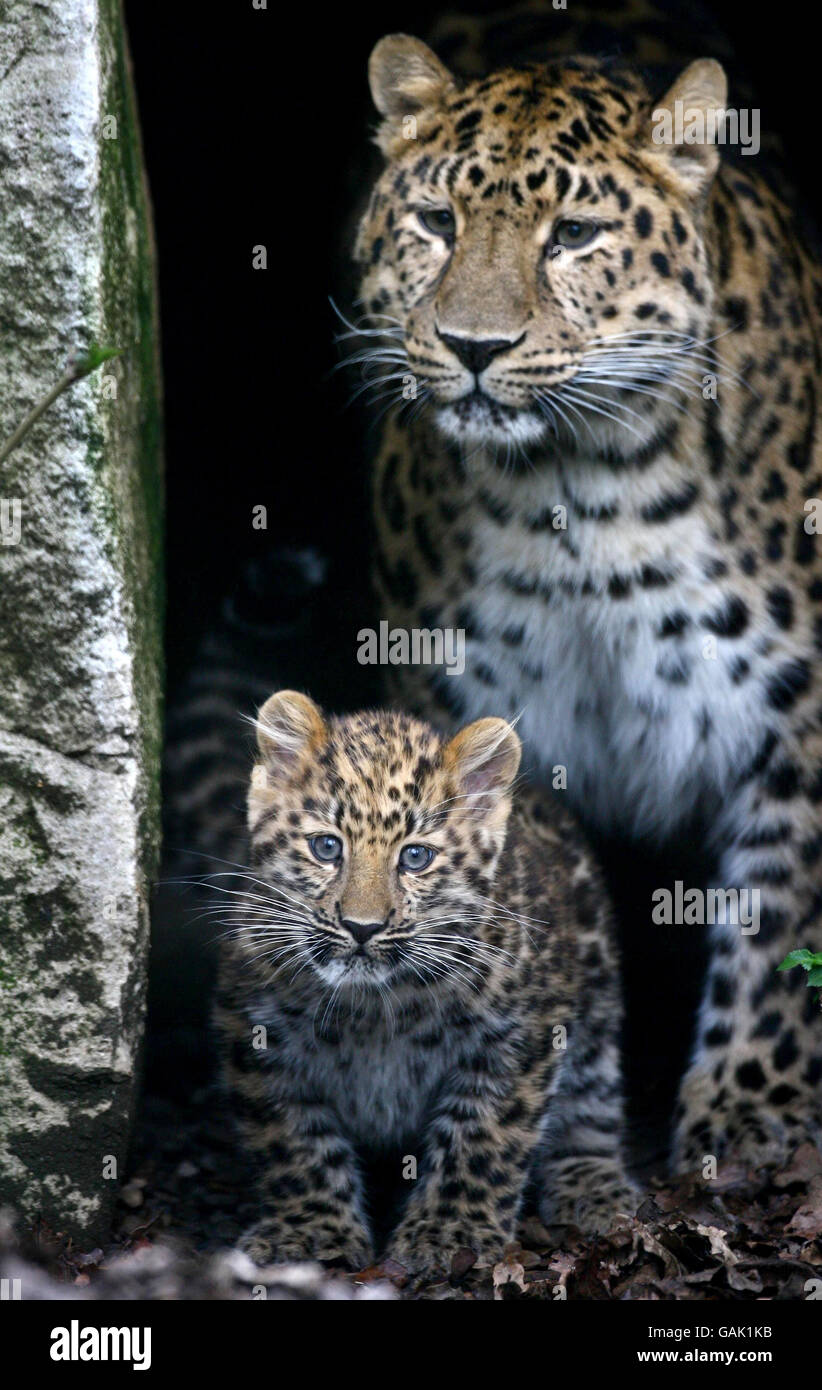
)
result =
(80, 611)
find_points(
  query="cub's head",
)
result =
(532, 253)
(374, 844)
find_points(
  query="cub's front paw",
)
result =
(270, 1242)
(427, 1248)
(592, 1194)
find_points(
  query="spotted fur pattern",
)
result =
(464, 1016)
(604, 478)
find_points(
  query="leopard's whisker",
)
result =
(357, 328)
(626, 384)
(581, 392)
(570, 405)
(551, 407)
(453, 964)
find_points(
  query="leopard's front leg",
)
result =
(309, 1184)
(475, 1165)
(754, 1087)
(309, 1188)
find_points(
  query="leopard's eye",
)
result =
(327, 848)
(573, 232)
(415, 857)
(440, 221)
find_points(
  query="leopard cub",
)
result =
(421, 966)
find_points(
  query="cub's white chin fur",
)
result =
(342, 974)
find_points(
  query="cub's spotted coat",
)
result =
(462, 1011)
(615, 346)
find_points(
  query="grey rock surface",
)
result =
(80, 610)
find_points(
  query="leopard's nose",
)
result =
(476, 353)
(362, 931)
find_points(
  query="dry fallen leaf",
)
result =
(386, 1269)
(461, 1261)
(805, 1165)
(508, 1271)
(807, 1219)
(719, 1245)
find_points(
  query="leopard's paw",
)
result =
(754, 1139)
(427, 1248)
(593, 1194)
(758, 1127)
(269, 1242)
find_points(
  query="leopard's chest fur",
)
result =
(606, 612)
(615, 643)
(376, 1074)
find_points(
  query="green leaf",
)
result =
(815, 977)
(804, 958)
(95, 357)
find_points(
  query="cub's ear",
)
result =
(485, 758)
(406, 80)
(290, 728)
(685, 124)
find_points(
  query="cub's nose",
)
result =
(362, 931)
(476, 353)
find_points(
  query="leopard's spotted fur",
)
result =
(632, 567)
(464, 1015)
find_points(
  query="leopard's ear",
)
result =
(685, 124)
(484, 757)
(290, 728)
(407, 81)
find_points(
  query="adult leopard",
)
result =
(607, 479)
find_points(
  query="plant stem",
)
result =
(81, 366)
(67, 379)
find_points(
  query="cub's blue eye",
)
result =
(415, 857)
(327, 848)
(441, 221)
(573, 232)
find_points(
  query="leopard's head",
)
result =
(374, 845)
(532, 254)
